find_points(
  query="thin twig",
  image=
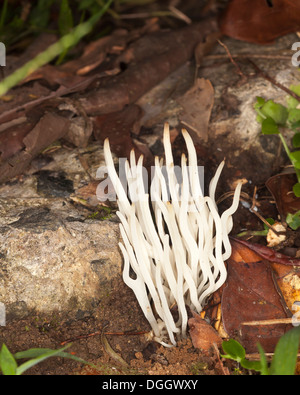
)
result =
(239, 71)
(249, 56)
(273, 81)
(257, 357)
(252, 210)
(275, 321)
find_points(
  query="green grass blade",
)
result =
(8, 363)
(39, 357)
(52, 52)
(285, 356)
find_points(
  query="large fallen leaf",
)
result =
(286, 270)
(260, 21)
(252, 294)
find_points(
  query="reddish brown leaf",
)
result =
(252, 294)
(269, 254)
(259, 22)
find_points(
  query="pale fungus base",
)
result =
(174, 241)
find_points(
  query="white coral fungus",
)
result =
(175, 243)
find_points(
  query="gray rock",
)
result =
(53, 259)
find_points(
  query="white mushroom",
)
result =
(175, 244)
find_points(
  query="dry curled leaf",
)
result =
(197, 104)
(202, 334)
(51, 127)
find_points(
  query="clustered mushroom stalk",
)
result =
(175, 243)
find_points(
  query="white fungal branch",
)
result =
(175, 243)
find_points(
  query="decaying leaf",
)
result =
(11, 139)
(203, 335)
(51, 127)
(118, 127)
(281, 188)
(288, 280)
(269, 254)
(252, 294)
(197, 104)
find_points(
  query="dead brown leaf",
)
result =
(51, 127)
(118, 127)
(281, 187)
(11, 139)
(197, 104)
(268, 253)
(202, 334)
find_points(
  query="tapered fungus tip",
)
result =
(106, 144)
(166, 130)
(184, 132)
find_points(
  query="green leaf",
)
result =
(8, 363)
(65, 18)
(295, 126)
(259, 102)
(295, 158)
(296, 189)
(291, 101)
(40, 15)
(293, 220)
(276, 111)
(285, 356)
(252, 365)
(264, 371)
(271, 221)
(296, 140)
(294, 115)
(234, 350)
(269, 126)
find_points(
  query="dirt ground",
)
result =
(120, 312)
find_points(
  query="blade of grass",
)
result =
(285, 356)
(8, 364)
(3, 14)
(51, 52)
(29, 364)
(38, 355)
